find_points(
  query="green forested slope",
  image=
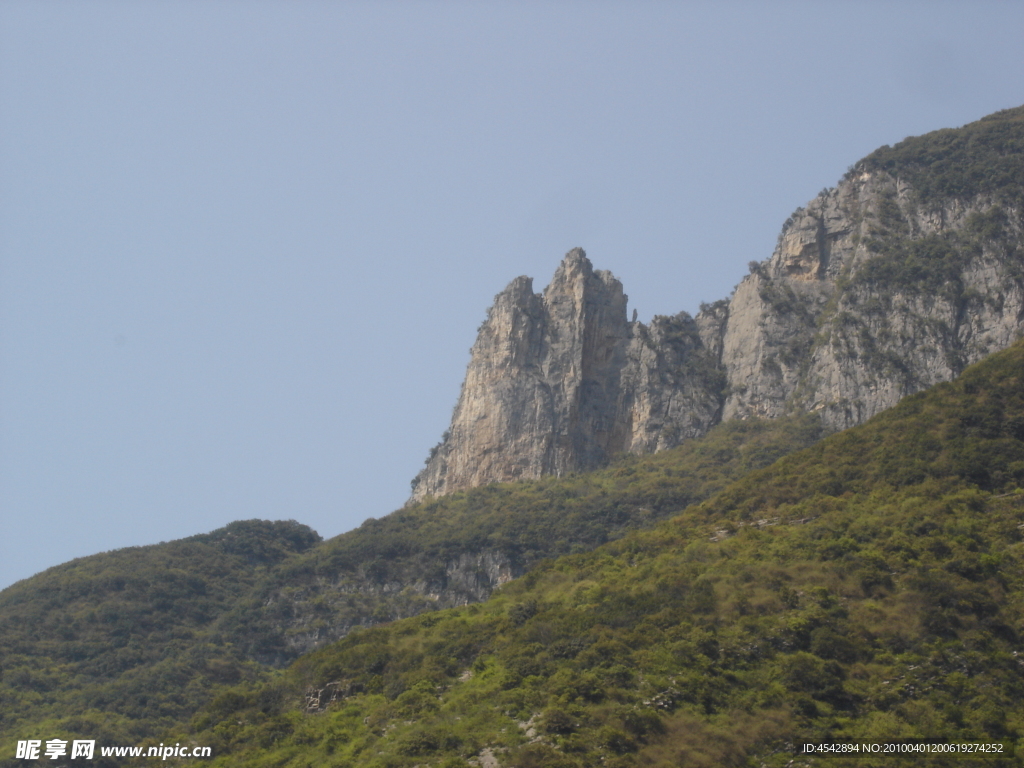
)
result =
(123, 644)
(867, 588)
(120, 643)
(400, 565)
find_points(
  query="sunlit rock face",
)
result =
(830, 324)
(560, 382)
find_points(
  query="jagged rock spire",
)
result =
(559, 382)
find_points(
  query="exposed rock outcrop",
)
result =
(312, 612)
(871, 296)
(911, 268)
(561, 382)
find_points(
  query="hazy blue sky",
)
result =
(245, 246)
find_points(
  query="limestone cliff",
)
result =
(561, 382)
(874, 293)
(911, 268)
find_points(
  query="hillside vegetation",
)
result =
(429, 555)
(867, 588)
(120, 646)
(985, 157)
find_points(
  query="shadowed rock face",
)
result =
(874, 292)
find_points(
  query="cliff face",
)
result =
(543, 370)
(871, 296)
(561, 382)
(911, 268)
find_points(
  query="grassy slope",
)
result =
(869, 587)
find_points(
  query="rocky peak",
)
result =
(558, 382)
(523, 409)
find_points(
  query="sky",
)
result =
(245, 246)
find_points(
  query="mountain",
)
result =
(560, 383)
(127, 645)
(911, 268)
(867, 589)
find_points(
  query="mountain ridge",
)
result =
(909, 269)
